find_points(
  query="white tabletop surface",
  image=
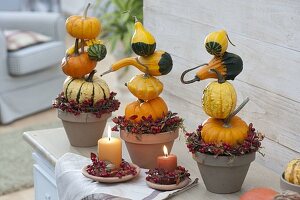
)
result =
(53, 143)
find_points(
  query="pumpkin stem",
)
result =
(82, 46)
(76, 52)
(85, 10)
(188, 70)
(229, 40)
(227, 120)
(90, 77)
(221, 78)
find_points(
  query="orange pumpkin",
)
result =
(78, 65)
(83, 27)
(259, 194)
(233, 130)
(157, 108)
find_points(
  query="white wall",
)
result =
(266, 35)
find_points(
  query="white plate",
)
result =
(168, 187)
(111, 179)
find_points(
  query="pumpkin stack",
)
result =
(223, 135)
(144, 118)
(83, 92)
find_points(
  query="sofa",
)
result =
(30, 78)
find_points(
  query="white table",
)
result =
(51, 144)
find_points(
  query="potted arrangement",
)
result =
(86, 101)
(147, 125)
(224, 145)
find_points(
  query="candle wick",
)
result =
(109, 139)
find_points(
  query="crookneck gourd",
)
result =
(157, 64)
(229, 65)
(89, 88)
(145, 87)
(142, 42)
(232, 131)
(157, 108)
(83, 27)
(292, 172)
(216, 43)
(219, 98)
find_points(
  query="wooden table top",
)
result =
(53, 143)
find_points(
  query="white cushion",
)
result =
(34, 58)
(17, 39)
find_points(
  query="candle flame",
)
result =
(165, 151)
(109, 132)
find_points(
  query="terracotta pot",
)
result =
(223, 174)
(83, 130)
(145, 148)
(285, 185)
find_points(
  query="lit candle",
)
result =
(167, 162)
(110, 149)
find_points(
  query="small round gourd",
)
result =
(157, 108)
(261, 193)
(142, 42)
(97, 52)
(90, 88)
(145, 87)
(216, 43)
(83, 27)
(232, 131)
(292, 172)
(219, 98)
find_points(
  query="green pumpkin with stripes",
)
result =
(142, 42)
(91, 88)
(216, 43)
(97, 52)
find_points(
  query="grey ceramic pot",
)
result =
(83, 130)
(285, 185)
(223, 174)
(144, 149)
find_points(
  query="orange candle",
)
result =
(167, 162)
(110, 149)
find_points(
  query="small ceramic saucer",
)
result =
(111, 179)
(168, 187)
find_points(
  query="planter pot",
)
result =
(145, 148)
(83, 130)
(222, 174)
(285, 185)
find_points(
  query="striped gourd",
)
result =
(142, 42)
(90, 88)
(292, 172)
(219, 98)
(216, 43)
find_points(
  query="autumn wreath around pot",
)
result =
(223, 150)
(84, 107)
(146, 128)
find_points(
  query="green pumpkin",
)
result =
(97, 52)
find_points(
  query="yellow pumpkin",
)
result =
(157, 108)
(292, 172)
(83, 27)
(233, 130)
(89, 88)
(219, 98)
(145, 87)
